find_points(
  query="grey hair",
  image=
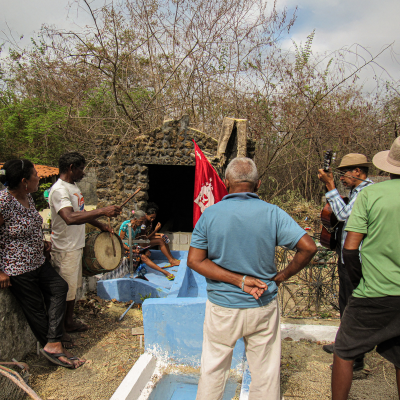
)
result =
(138, 214)
(241, 169)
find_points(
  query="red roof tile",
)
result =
(44, 171)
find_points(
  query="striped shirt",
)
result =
(342, 210)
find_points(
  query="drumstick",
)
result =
(130, 197)
(112, 239)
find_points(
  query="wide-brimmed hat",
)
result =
(389, 160)
(354, 160)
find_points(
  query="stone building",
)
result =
(162, 163)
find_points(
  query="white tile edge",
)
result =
(309, 332)
(136, 379)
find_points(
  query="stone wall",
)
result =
(122, 167)
(88, 186)
(17, 339)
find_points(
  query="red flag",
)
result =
(208, 186)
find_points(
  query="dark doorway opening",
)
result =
(171, 187)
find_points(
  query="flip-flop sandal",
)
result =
(53, 358)
(76, 359)
(171, 277)
(169, 266)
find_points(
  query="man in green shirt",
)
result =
(372, 316)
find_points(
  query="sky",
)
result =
(363, 26)
(359, 25)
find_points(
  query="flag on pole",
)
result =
(208, 186)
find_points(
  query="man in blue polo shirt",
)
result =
(233, 246)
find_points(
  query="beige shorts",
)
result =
(68, 264)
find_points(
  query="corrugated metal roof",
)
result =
(44, 171)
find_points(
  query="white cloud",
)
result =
(342, 24)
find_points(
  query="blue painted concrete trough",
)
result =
(184, 387)
(173, 326)
(127, 288)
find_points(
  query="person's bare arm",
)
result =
(306, 250)
(122, 236)
(4, 278)
(153, 234)
(72, 217)
(198, 261)
(353, 240)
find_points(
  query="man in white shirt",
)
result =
(68, 229)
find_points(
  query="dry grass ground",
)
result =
(305, 374)
(110, 350)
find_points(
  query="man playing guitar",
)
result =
(354, 176)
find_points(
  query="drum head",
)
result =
(104, 252)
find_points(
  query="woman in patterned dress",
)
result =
(24, 269)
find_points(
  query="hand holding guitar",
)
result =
(327, 178)
(328, 219)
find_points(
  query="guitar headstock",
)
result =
(329, 157)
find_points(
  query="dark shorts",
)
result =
(370, 322)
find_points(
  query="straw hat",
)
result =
(389, 160)
(354, 160)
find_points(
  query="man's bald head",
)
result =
(242, 171)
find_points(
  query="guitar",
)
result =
(331, 232)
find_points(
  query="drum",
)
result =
(98, 253)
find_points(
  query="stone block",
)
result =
(17, 339)
(189, 144)
(119, 186)
(130, 178)
(141, 196)
(131, 170)
(103, 174)
(142, 178)
(102, 193)
(101, 185)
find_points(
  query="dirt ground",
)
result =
(111, 350)
(305, 374)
